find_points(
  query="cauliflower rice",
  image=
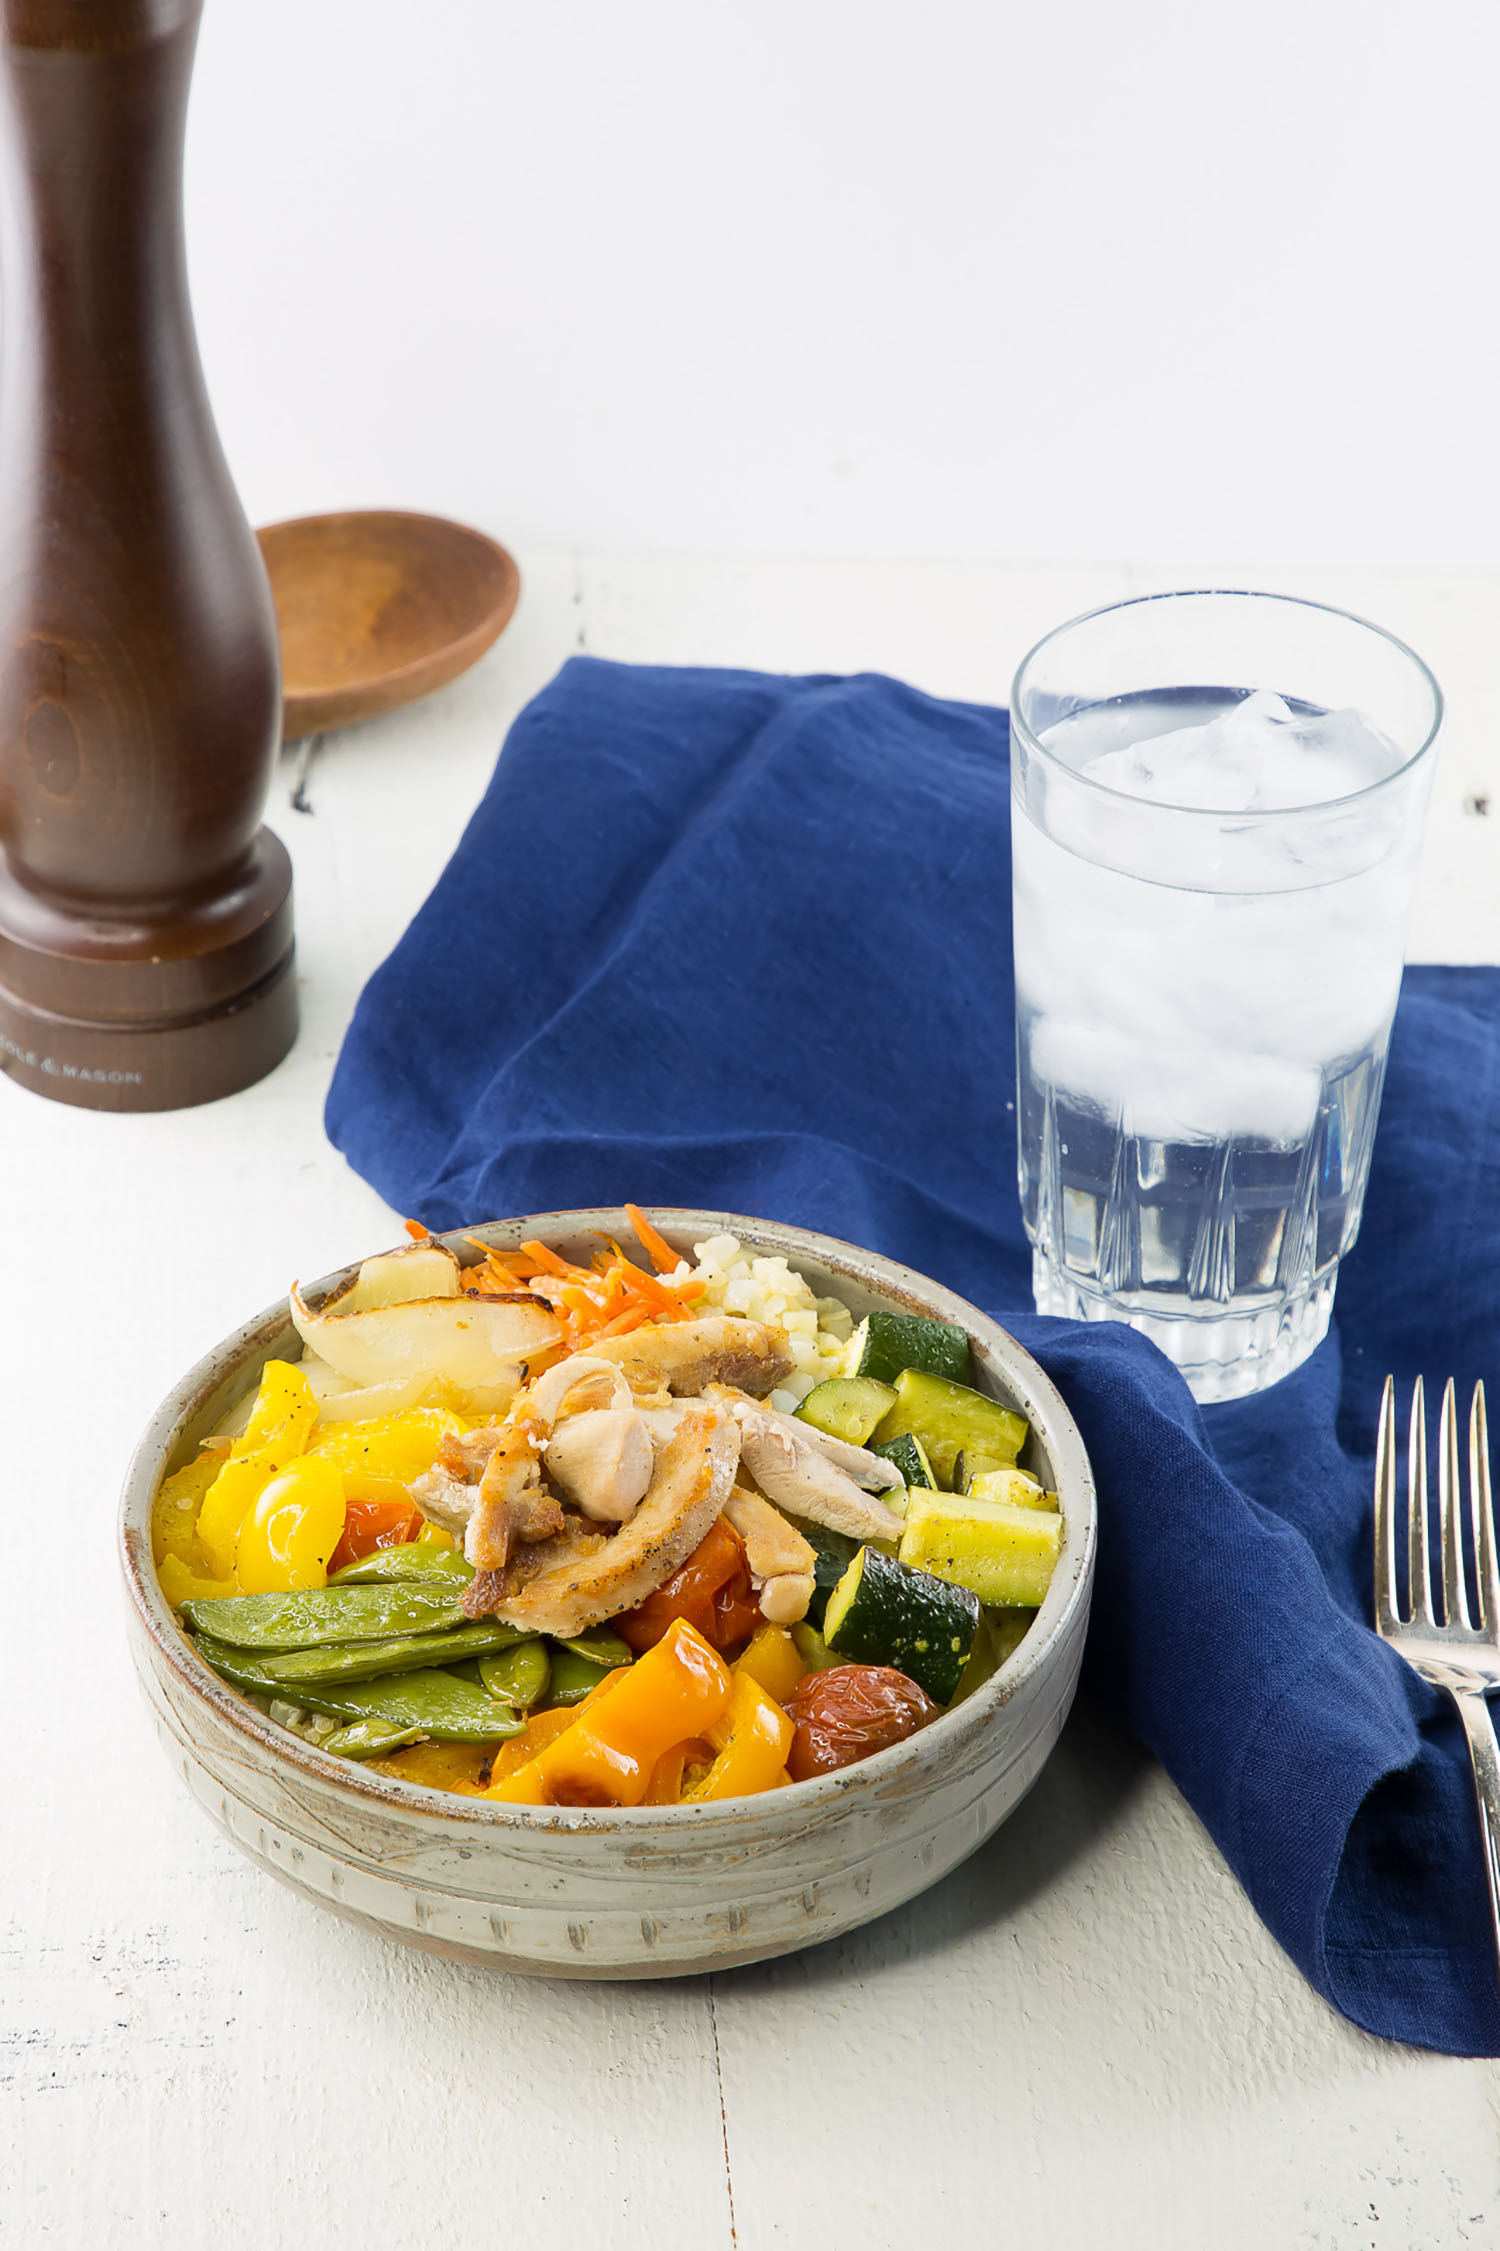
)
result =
(818, 1329)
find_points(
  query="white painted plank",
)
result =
(1085, 2036)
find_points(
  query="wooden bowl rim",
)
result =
(305, 711)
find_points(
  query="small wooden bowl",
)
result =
(377, 607)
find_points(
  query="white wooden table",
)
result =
(1082, 2037)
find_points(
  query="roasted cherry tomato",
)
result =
(369, 1525)
(690, 1592)
(841, 1716)
(735, 1614)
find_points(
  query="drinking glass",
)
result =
(1208, 947)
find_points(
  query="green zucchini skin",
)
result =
(952, 1419)
(847, 1407)
(885, 1343)
(1004, 1553)
(884, 1613)
(909, 1455)
(833, 1553)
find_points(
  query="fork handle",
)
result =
(1484, 1757)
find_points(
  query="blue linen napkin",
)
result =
(743, 942)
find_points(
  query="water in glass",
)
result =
(1201, 1046)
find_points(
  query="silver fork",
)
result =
(1452, 1651)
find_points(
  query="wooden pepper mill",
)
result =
(145, 915)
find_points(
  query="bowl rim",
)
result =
(1034, 1393)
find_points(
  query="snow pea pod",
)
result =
(600, 1647)
(414, 1560)
(369, 1739)
(572, 1677)
(311, 1616)
(341, 1661)
(435, 1703)
(518, 1676)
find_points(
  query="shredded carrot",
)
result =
(659, 1251)
(654, 1293)
(514, 1263)
(550, 1263)
(417, 1232)
(539, 1362)
(491, 1281)
(546, 1287)
(611, 1296)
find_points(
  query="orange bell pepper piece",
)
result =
(607, 1757)
(752, 1741)
(665, 1786)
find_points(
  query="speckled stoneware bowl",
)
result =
(637, 1892)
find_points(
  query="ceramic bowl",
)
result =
(641, 1891)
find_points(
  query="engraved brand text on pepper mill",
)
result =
(145, 915)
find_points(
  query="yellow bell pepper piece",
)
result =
(437, 1766)
(181, 1583)
(292, 1529)
(174, 1519)
(433, 1536)
(677, 1689)
(773, 1660)
(284, 1414)
(752, 1741)
(378, 1459)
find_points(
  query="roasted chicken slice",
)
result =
(684, 1357)
(788, 1464)
(486, 1489)
(693, 1478)
(781, 1562)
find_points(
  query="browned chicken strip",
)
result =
(572, 1542)
(694, 1474)
(684, 1356)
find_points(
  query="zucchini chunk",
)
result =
(971, 1465)
(1002, 1553)
(909, 1455)
(847, 1407)
(813, 1649)
(1011, 1485)
(950, 1419)
(884, 1613)
(1000, 1635)
(885, 1343)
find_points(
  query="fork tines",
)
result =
(1456, 1614)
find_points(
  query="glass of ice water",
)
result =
(1217, 805)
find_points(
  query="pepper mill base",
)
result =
(150, 1016)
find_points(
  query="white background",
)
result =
(1007, 278)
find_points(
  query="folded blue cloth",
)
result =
(743, 942)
